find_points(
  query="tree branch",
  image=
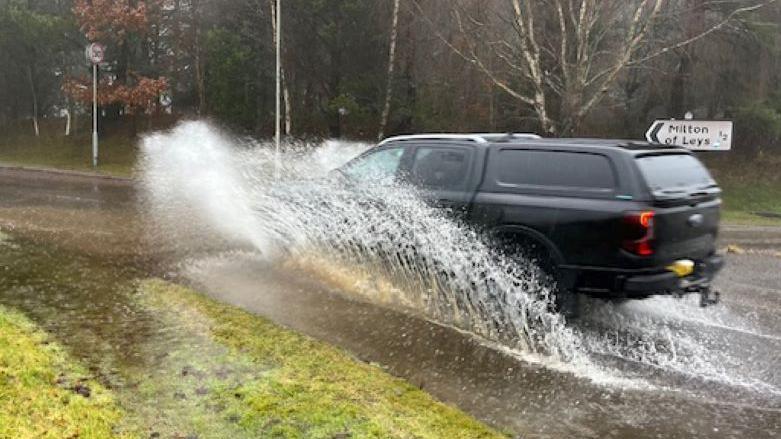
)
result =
(703, 34)
(472, 57)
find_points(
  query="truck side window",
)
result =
(379, 165)
(440, 168)
(555, 169)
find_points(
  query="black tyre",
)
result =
(534, 254)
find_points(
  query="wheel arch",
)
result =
(530, 234)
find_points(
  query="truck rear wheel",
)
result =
(524, 250)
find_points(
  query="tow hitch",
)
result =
(686, 267)
(707, 296)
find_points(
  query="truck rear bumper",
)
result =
(639, 284)
(668, 282)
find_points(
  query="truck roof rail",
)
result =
(474, 137)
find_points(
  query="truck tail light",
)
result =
(638, 233)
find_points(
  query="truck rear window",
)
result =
(669, 171)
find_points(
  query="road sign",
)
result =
(95, 53)
(697, 135)
(165, 100)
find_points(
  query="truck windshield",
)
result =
(672, 172)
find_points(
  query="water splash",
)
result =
(438, 267)
(395, 249)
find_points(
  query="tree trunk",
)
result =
(389, 78)
(35, 100)
(115, 111)
(407, 122)
(73, 109)
(678, 88)
(288, 106)
(175, 77)
(546, 124)
(199, 77)
(491, 107)
(285, 90)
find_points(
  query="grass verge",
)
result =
(44, 393)
(307, 388)
(749, 187)
(744, 199)
(118, 148)
(117, 155)
(744, 218)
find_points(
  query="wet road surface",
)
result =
(85, 222)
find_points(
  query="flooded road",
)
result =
(72, 248)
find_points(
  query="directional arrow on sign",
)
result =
(652, 135)
(698, 135)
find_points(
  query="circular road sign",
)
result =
(165, 100)
(95, 53)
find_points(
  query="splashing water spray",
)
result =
(198, 182)
(436, 266)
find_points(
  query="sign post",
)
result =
(696, 135)
(95, 53)
(277, 127)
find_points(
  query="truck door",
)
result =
(444, 175)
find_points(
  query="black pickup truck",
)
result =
(613, 219)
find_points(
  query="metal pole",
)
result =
(278, 128)
(94, 115)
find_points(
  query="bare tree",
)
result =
(561, 57)
(389, 76)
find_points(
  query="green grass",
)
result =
(52, 149)
(743, 198)
(306, 388)
(117, 154)
(739, 217)
(37, 380)
(749, 187)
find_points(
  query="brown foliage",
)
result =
(114, 20)
(140, 96)
(100, 19)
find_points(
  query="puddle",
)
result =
(160, 365)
